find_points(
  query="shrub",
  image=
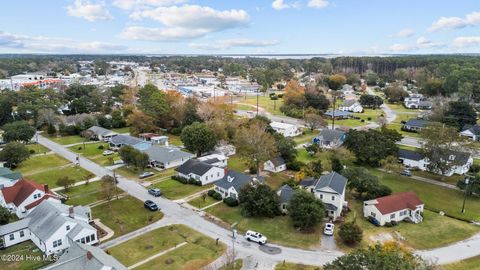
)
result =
(388, 224)
(280, 95)
(252, 170)
(101, 147)
(369, 118)
(193, 181)
(31, 151)
(274, 97)
(79, 148)
(394, 223)
(350, 233)
(230, 202)
(212, 193)
(180, 179)
(295, 165)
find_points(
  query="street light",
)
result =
(234, 235)
(467, 181)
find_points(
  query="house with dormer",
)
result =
(200, 171)
(460, 161)
(24, 196)
(233, 181)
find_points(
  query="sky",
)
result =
(348, 27)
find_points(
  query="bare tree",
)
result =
(107, 188)
(314, 121)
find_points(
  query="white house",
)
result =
(462, 161)
(231, 184)
(166, 157)
(50, 226)
(101, 134)
(287, 130)
(200, 171)
(118, 141)
(275, 165)
(24, 196)
(330, 189)
(218, 160)
(330, 138)
(396, 207)
(471, 131)
(351, 105)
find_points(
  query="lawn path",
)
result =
(157, 255)
(430, 181)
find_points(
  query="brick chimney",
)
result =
(89, 255)
(70, 212)
(46, 189)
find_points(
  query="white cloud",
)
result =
(317, 3)
(185, 22)
(455, 22)
(279, 5)
(420, 44)
(89, 11)
(462, 42)
(404, 33)
(142, 4)
(230, 43)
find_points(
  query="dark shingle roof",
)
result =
(475, 129)
(277, 161)
(126, 140)
(330, 135)
(234, 179)
(338, 113)
(100, 130)
(307, 182)
(286, 193)
(334, 181)
(409, 154)
(194, 166)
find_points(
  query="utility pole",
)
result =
(115, 183)
(467, 182)
(234, 235)
(257, 102)
(333, 112)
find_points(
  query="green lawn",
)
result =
(125, 215)
(41, 163)
(37, 148)
(293, 266)
(406, 147)
(435, 230)
(436, 197)
(237, 163)
(121, 130)
(470, 264)
(278, 230)
(133, 173)
(237, 265)
(200, 203)
(94, 153)
(174, 190)
(306, 138)
(64, 140)
(304, 156)
(399, 108)
(84, 194)
(51, 176)
(154, 242)
(275, 180)
(348, 122)
(22, 249)
(447, 179)
(271, 106)
(174, 140)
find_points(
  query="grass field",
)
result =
(37, 148)
(125, 215)
(271, 106)
(51, 176)
(174, 190)
(278, 230)
(65, 140)
(237, 163)
(94, 152)
(436, 197)
(293, 266)
(304, 156)
(237, 265)
(275, 180)
(22, 249)
(434, 231)
(121, 130)
(41, 163)
(200, 203)
(84, 194)
(306, 138)
(133, 173)
(151, 243)
(470, 264)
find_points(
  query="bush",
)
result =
(193, 181)
(230, 202)
(350, 233)
(394, 223)
(51, 130)
(274, 97)
(180, 179)
(295, 165)
(369, 118)
(252, 170)
(217, 196)
(31, 151)
(79, 148)
(101, 147)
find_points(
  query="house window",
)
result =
(12, 237)
(87, 239)
(82, 240)
(92, 237)
(333, 198)
(68, 227)
(57, 243)
(372, 214)
(321, 196)
(22, 234)
(392, 215)
(218, 174)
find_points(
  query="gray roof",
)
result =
(9, 174)
(417, 123)
(330, 135)
(234, 179)
(212, 160)
(409, 154)
(101, 131)
(278, 161)
(14, 226)
(125, 140)
(475, 129)
(333, 180)
(307, 182)
(85, 257)
(194, 166)
(349, 102)
(338, 113)
(286, 193)
(164, 154)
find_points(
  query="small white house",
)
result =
(471, 131)
(287, 130)
(201, 171)
(351, 105)
(231, 184)
(101, 134)
(166, 157)
(396, 207)
(275, 165)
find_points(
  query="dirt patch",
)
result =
(382, 238)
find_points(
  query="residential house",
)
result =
(201, 171)
(154, 138)
(166, 157)
(415, 125)
(462, 161)
(287, 130)
(275, 165)
(337, 114)
(330, 189)
(471, 131)
(330, 138)
(218, 160)
(80, 256)
(285, 193)
(51, 226)
(122, 140)
(8, 177)
(417, 101)
(101, 134)
(395, 207)
(351, 105)
(233, 181)
(24, 196)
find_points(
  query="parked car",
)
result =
(145, 175)
(406, 173)
(155, 192)
(306, 145)
(108, 152)
(256, 237)
(328, 229)
(150, 205)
